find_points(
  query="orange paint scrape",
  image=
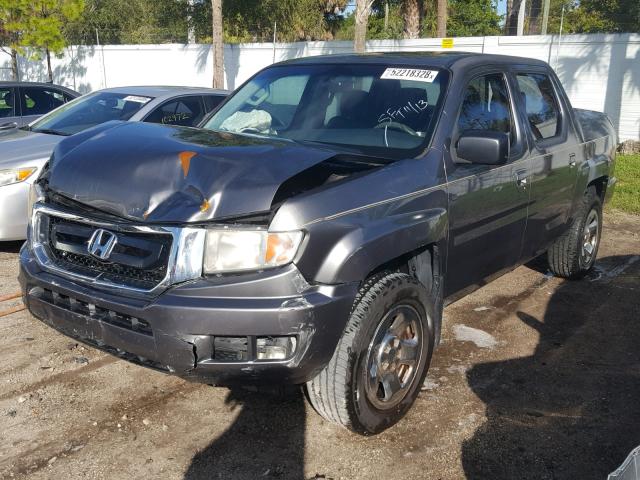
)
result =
(205, 206)
(185, 161)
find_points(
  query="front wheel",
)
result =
(381, 359)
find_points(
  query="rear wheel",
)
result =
(382, 358)
(574, 253)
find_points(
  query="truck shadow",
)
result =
(266, 440)
(572, 408)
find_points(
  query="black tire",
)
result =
(339, 391)
(566, 255)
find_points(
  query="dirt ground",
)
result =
(536, 377)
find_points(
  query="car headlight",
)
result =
(15, 175)
(229, 250)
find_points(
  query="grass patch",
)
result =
(627, 194)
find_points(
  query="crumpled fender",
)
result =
(362, 249)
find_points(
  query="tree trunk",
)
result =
(511, 22)
(442, 18)
(14, 65)
(362, 18)
(386, 15)
(411, 18)
(535, 16)
(218, 52)
(49, 71)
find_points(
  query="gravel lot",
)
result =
(536, 378)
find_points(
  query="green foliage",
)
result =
(468, 18)
(130, 21)
(627, 193)
(14, 17)
(591, 16)
(375, 26)
(33, 26)
(45, 23)
(253, 20)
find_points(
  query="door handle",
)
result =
(521, 179)
(572, 160)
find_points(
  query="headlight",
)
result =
(15, 175)
(228, 250)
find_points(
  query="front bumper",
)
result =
(174, 331)
(14, 215)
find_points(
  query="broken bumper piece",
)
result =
(254, 328)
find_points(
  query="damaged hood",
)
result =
(154, 173)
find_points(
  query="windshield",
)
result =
(89, 111)
(373, 108)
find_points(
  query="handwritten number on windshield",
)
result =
(409, 108)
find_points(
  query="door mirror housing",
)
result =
(484, 147)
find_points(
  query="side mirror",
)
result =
(483, 147)
(8, 126)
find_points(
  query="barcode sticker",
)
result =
(136, 98)
(416, 74)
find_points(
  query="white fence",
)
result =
(599, 72)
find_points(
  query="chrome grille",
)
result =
(148, 260)
(138, 259)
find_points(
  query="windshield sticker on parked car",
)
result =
(409, 108)
(416, 74)
(136, 98)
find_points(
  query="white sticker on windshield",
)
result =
(415, 74)
(137, 99)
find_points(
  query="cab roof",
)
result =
(451, 60)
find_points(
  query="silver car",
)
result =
(24, 151)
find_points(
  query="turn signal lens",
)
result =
(15, 175)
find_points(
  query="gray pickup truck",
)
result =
(312, 231)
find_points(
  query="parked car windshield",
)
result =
(88, 111)
(374, 108)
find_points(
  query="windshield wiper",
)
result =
(50, 131)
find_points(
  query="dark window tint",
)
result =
(186, 111)
(38, 101)
(485, 105)
(541, 105)
(6, 102)
(212, 101)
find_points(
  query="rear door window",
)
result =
(184, 111)
(38, 101)
(540, 104)
(7, 98)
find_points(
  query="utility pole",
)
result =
(275, 30)
(386, 15)
(560, 35)
(104, 70)
(521, 15)
(545, 17)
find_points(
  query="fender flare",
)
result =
(364, 248)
